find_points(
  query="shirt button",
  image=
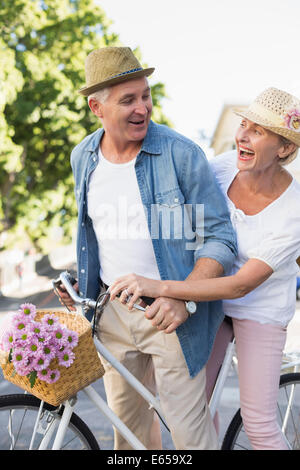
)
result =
(176, 199)
(82, 271)
(83, 248)
(94, 158)
(82, 224)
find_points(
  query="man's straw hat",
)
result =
(279, 112)
(111, 65)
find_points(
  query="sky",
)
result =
(211, 52)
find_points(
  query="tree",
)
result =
(43, 47)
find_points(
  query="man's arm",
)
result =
(205, 268)
(215, 236)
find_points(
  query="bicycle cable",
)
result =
(97, 316)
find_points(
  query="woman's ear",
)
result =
(286, 149)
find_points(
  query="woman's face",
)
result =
(258, 148)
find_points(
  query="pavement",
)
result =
(38, 290)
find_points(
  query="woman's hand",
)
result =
(134, 286)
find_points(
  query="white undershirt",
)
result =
(119, 221)
(272, 236)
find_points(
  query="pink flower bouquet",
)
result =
(31, 345)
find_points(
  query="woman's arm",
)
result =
(251, 275)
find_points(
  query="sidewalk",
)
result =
(34, 288)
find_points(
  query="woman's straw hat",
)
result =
(111, 65)
(279, 112)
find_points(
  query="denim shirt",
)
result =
(175, 183)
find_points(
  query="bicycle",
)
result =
(32, 423)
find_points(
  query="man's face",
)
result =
(126, 112)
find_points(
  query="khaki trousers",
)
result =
(156, 360)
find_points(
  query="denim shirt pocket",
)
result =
(170, 209)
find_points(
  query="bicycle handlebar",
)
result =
(67, 280)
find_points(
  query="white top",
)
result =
(273, 236)
(119, 221)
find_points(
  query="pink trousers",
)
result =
(259, 351)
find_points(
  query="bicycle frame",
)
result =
(222, 376)
(136, 384)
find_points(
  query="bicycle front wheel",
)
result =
(288, 413)
(18, 416)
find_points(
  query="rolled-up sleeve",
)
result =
(218, 251)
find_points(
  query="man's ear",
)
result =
(96, 107)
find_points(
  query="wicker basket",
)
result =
(85, 369)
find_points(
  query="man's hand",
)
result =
(64, 297)
(167, 314)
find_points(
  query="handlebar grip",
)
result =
(147, 300)
(68, 281)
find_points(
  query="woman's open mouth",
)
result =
(245, 153)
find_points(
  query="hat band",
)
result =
(125, 73)
(265, 113)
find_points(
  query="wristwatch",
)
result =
(191, 307)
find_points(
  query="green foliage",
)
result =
(32, 378)
(43, 47)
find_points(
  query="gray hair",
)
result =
(100, 95)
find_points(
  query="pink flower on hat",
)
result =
(292, 120)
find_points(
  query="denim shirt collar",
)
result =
(151, 142)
